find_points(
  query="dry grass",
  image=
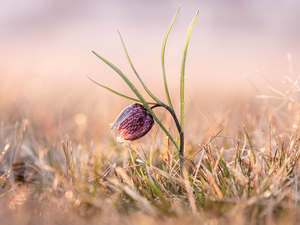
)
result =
(245, 175)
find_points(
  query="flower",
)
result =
(134, 122)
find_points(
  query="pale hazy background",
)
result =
(45, 49)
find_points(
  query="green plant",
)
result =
(158, 102)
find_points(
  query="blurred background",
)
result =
(45, 56)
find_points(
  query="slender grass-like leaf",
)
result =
(188, 35)
(282, 156)
(223, 164)
(241, 166)
(163, 59)
(140, 97)
(157, 191)
(128, 82)
(266, 162)
(117, 93)
(140, 79)
(250, 144)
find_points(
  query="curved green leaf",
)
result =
(163, 59)
(188, 35)
(117, 93)
(140, 79)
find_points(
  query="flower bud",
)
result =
(134, 122)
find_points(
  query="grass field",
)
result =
(61, 164)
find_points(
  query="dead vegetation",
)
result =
(249, 178)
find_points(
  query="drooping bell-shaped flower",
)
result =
(134, 122)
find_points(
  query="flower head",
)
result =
(134, 122)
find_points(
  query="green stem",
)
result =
(180, 131)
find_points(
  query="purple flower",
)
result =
(134, 122)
